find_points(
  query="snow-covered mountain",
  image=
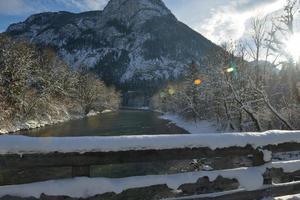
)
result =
(128, 43)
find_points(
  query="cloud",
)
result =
(229, 21)
(21, 7)
(13, 7)
(217, 20)
(85, 5)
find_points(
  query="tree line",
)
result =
(35, 84)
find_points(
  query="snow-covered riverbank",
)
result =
(198, 127)
(38, 123)
(32, 124)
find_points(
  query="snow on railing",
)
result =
(28, 145)
(21, 156)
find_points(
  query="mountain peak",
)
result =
(131, 43)
(135, 10)
(119, 2)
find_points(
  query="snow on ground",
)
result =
(249, 178)
(62, 115)
(92, 113)
(199, 127)
(32, 124)
(143, 108)
(17, 144)
(289, 197)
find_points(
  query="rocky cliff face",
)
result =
(131, 43)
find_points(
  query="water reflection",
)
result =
(123, 122)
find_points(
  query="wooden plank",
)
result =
(21, 176)
(39, 167)
(81, 171)
(285, 147)
(105, 158)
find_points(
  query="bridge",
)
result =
(170, 167)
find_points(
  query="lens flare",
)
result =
(197, 82)
(293, 46)
(229, 70)
(171, 91)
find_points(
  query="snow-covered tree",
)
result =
(35, 84)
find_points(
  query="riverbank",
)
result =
(198, 127)
(62, 116)
(116, 123)
(134, 121)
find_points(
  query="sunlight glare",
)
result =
(293, 46)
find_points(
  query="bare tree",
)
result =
(258, 26)
(290, 9)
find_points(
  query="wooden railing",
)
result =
(16, 168)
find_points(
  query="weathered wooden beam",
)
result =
(285, 147)
(81, 171)
(104, 158)
(138, 156)
(21, 176)
(39, 167)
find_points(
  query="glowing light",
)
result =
(197, 82)
(171, 91)
(229, 70)
(293, 46)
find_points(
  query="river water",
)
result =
(122, 122)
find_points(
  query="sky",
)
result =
(218, 20)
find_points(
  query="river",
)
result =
(122, 122)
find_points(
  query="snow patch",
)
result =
(106, 111)
(267, 155)
(92, 113)
(199, 127)
(289, 197)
